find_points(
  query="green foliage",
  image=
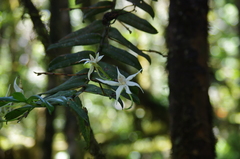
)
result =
(137, 22)
(86, 80)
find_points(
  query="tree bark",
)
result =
(59, 27)
(190, 110)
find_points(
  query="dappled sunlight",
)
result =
(136, 133)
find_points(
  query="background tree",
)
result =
(191, 113)
(141, 132)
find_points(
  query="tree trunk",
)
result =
(59, 27)
(190, 110)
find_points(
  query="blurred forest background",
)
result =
(141, 132)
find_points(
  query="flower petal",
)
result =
(87, 60)
(111, 83)
(119, 91)
(90, 71)
(100, 58)
(127, 89)
(121, 78)
(91, 58)
(16, 87)
(132, 76)
(130, 83)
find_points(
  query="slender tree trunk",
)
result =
(59, 27)
(190, 110)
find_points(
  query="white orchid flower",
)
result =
(16, 87)
(93, 61)
(122, 83)
(7, 108)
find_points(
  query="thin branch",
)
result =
(99, 7)
(59, 74)
(155, 52)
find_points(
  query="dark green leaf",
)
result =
(122, 56)
(97, 90)
(33, 100)
(60, 98)
(96, 8)
(116, 35)
(72, 83)
(6, 100)
(85, 39)
(82, 117)
(94, 27)
(78, 1)
(67, 93)
(78, 109)
(17, 112)
(144, 6)
(68, 60)
(109, 69)
(136, 22)
(104, 92)
(19, 96)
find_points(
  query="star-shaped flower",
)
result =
(93, 61)
(122, 83)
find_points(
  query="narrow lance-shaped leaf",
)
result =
(122, 56)
(144, 6)
(43, 102)
(19, 96)
(94, 27)
(72, 83)
(17, 112)
(68, 60)
(85, 39)
(104, 92)
(6, 100)
(78, 1)
(115, 34)
(78, 109)
(60, 98)
(96, 8)
(82, 117)
(136, 22)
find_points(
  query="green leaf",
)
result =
(122, 56)
(90, 88)
(144, 6)
(104, 92)
(17, 112)
(109, 69)
(67, 93)
(60, 98)
(82, 117)
(32, 101)
(94, 27)
(19, 96)
(6, 100)
(115, 34)
(72, 83)
(78, 1)
(136, 22)
(85, 39)
(68, 60)
(96, 8)
(78, 109)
